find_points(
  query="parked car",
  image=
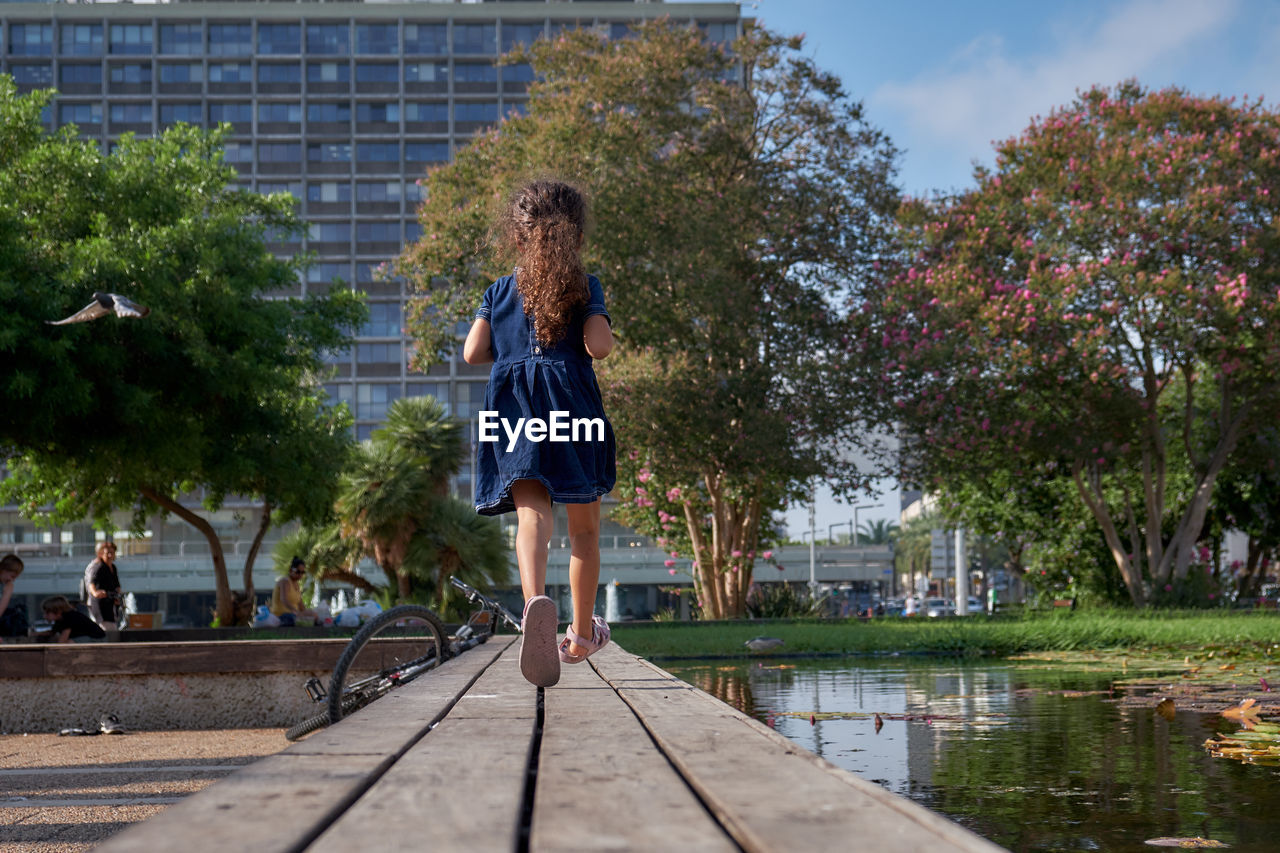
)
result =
(975, 605)
(935, 607)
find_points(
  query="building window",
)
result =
(237, 152)
(437, 111)
(131, 113)
(328, 272)
(378, 111)
(378, 191)
(379, 39)
(426, 72)
(81, 39)
(185, 39)
(476, 112)
(378, 232)
(474, 72)
(378, 152)
(385, 353)
(514, 108)
(130, 38)
(268, 73)
(520, 73)
(279, 152)
(720, 32)
(80, 75)
(414, 192)
(231, 72)
(79, 113)
(519, 34)
(334, 112)
(430, 39)
(27, 74)
(377, 72)
(279, 38)
(235, 112)
(137, 73)
(412, 232)
(31, 39)
(230, 39)
(329, 232)
(181, 72)
(475, 38)
(286, 113)
(328, 72)
(328, 39)
(174, 113)
(329, 191)
(329, 152)
(293, 188)
(426, 152)
(384, 321)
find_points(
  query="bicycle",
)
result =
(394, 648)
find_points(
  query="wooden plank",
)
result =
(603, 785)
(769, 793)
(403, 715)
(283, 801)
(462, 786)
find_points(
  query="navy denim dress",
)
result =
(529, 380)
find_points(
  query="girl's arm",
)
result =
(478, 347)
(597, 336)
(64, 637)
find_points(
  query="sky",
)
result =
(945, 79)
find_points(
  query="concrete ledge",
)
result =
(158, 686)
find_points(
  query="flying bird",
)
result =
(102, 305)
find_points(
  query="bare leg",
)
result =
(584, 566)
(535, 526)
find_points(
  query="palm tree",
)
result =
(394, 501)
(878, 532)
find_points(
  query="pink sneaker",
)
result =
(539, 662)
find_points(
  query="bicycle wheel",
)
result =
(350, 705)
(392, 648)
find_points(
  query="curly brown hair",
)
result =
(545, 223)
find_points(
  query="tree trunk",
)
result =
(349, 577)
(1130, 570)
(224, 608)
(253, 551)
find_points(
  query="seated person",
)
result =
(286, 598)
(69, 624)
(13, 618)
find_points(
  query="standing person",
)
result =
(286, 598)
(541, 327)
(102, 590)
(69, 624)
(13, 618)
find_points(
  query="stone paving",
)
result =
(66, 794)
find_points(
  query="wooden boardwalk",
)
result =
(620, 755)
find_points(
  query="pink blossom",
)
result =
(644, 475)
(671, 571)
(737, 553)
(673, 495)
(668, 563)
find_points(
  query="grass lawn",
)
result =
(1251, 633)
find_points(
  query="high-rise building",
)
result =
(344, 105)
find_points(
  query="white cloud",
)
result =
(952, 113)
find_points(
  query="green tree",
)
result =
(216, 392)
(395, 504)
(1103, 301)
(879, 531)
(737, 194)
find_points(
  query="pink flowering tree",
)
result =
(736, 191)
(1102, 306)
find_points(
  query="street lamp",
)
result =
(831, 540)
(855, 519)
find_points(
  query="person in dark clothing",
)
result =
(102, 587)
(69, 624)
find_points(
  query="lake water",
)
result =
(1027, 756)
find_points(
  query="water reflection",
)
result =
(1034, 759)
